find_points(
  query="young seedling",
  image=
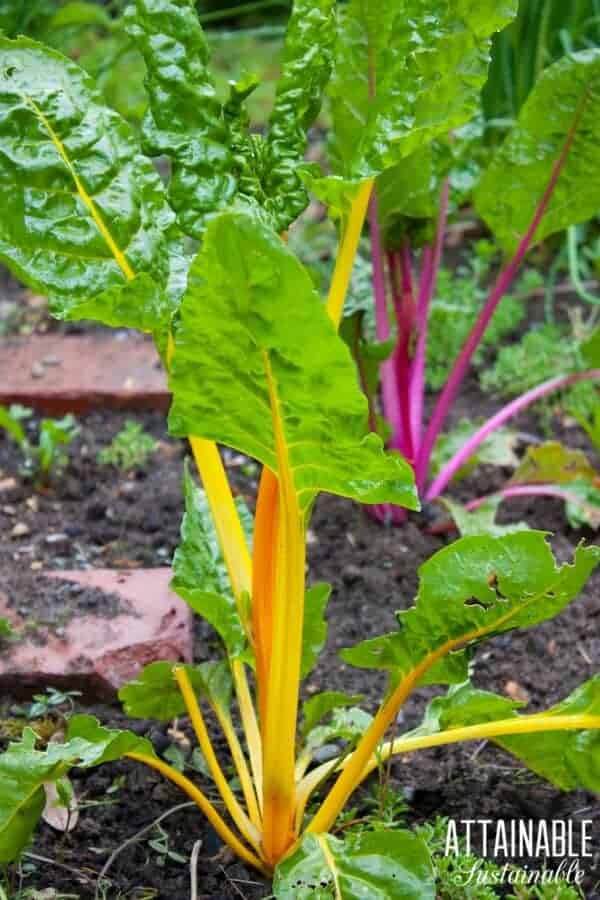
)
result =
(256, 364)
(45, 459)
(131, 448)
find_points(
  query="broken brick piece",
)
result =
(96, 654)
(56, 373)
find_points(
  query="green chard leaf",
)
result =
(407, 198)
(271, 342)
(215, 158)
(571, 473)
(380, 865)
(563, 105)
(464, 705)
(199, 572)
(316, 708)
(553, 462)
(154, 694)
(184, 120)
(271, 171)
(346, 724)
(590, 349)
(569, 759)
(81, 13)
(404, 73)
(24, 771)
(481, 520)
(85, 215)
(307, 61)
(10, 14)
(314, 632)
(473, 589)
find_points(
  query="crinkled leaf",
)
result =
(24, 771)
(471, 590)
(271, 342)
(314, 632)
(154, 694)
(481, 520)
(564, 104)
(214, 155)
(6, 629)
(317, 707)
(184, 120)
(85, 217)
(380, 865)
(404, 73)
(200, 574)
(307, 59)
(554, 463)
(497, 450)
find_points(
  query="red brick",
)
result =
(57, 373)
(96, 654)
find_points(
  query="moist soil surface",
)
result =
(94, 515)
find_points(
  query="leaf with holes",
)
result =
(474, 589)
(380, 865)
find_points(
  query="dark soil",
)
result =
(119, 519)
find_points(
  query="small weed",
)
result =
(160, 846)
(45, 458)
(131, 448)
(44, 704)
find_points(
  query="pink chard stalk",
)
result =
(403, 373)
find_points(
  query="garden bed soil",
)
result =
(132, 519)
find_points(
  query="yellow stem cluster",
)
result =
(275, 784)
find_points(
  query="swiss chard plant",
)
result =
(255, 363)
(537, 183)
